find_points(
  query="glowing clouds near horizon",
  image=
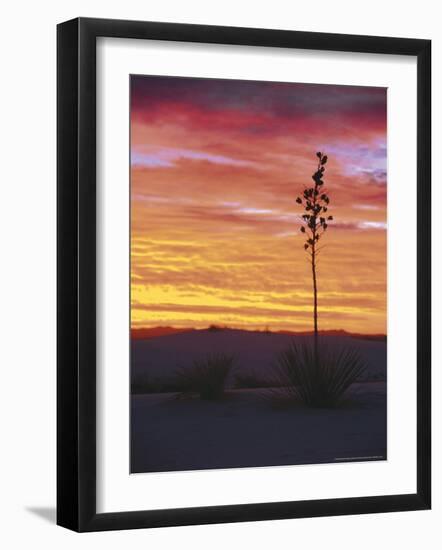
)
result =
(215, 169)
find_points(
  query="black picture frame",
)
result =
(76, 273)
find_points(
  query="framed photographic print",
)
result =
(243, 274)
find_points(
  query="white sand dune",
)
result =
(245, 430)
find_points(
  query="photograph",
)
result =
(258, 262)
(243, 274)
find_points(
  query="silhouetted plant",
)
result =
(207, 377)
(318, 377)
(250, 380)
(315, 222)
(143, 383)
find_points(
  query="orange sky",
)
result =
(216, 167)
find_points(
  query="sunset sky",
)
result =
(216, 166)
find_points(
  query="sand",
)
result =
(246, 429)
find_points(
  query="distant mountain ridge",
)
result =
(155, 332)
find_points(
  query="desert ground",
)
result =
(250, 426)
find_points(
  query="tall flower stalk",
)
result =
(315, 203)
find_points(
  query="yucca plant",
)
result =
(318, 376)
(207, 377)
(315, 202)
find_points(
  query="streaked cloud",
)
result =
(169, 157)
(373, 225)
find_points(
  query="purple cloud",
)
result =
(168, 157)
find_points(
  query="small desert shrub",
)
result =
(249, 380)
(318, 379)
(142, 384)
(145, 384)
(215, 328)
(207, 377)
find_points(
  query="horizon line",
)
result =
(215, 327)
